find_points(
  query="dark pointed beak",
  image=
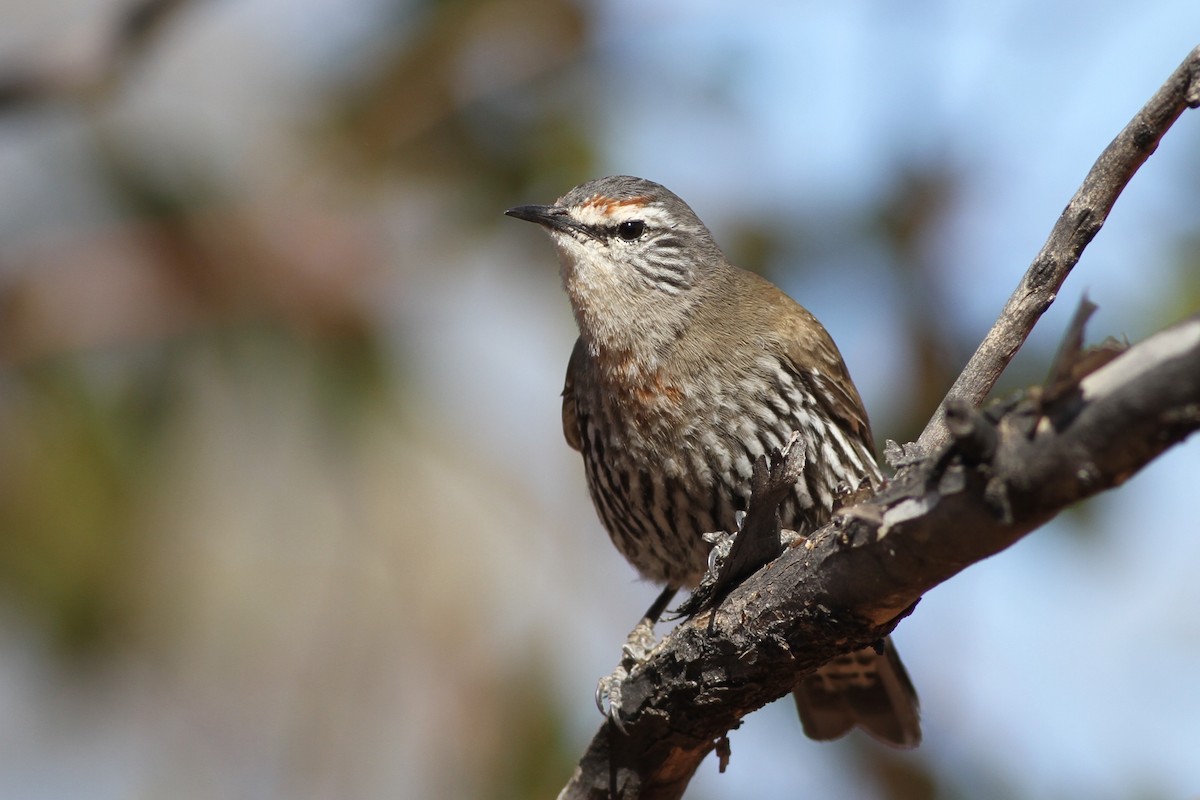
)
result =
(553, 217)
(542, 215)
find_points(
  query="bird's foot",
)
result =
(636, 651)
(720, 544)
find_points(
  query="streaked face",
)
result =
(625, 234)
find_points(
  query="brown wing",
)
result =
(814, 356)
(806, 344)
(570, 420)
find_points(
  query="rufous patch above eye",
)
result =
(604, 211)
(607, 205)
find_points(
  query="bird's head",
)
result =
(633, 257)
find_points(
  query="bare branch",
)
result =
(1079, 222)
(850, 583)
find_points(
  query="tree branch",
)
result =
(1079, 222)
(851, 582)
(999, 474)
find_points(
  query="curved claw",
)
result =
(608, 689)
(636, 650)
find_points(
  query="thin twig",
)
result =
(1079, 222)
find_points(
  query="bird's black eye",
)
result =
(631, 229)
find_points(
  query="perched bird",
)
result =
(686, 370)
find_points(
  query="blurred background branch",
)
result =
(91, 62)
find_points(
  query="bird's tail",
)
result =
(868, 688)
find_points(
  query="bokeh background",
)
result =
(285, 511)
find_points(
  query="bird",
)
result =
(686, 370)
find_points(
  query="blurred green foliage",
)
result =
(73, 454)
